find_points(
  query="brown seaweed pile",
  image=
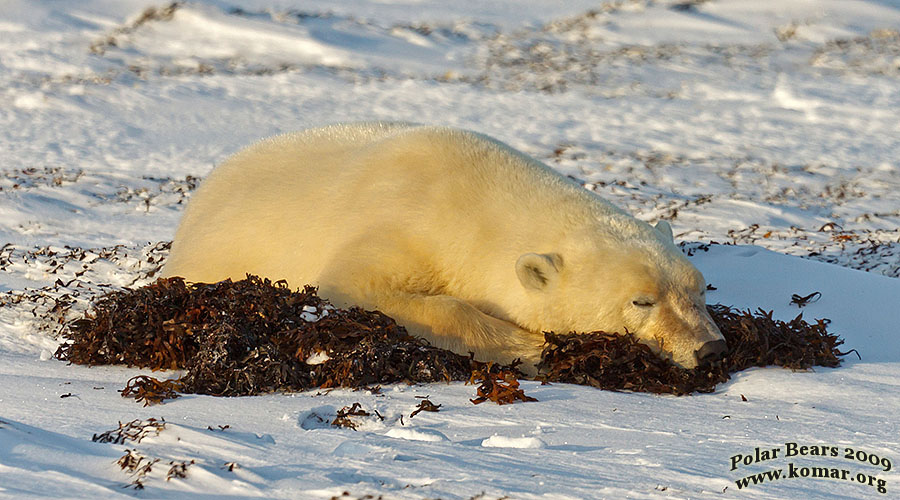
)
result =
(618, 362)
(250, 337)
(500, 386)
(253, 336)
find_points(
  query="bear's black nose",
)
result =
(711, 351)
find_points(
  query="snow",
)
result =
(769, 127)
(416, 435)
(496, 441)
(309, 313)
(749, 277)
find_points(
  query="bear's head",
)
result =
(634, 280)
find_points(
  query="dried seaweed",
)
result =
(138, 466)
(498, 384)
(253, 336)
(129, 461)
(759, 340)
(620, 362)
(614, 362)
(249, 337)
(425, 405)
(151, 390)
(178, 470)
(801, 301)
(342, 418)
(136, 430)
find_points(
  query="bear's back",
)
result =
(296, 200)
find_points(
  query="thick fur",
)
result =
(462, 239)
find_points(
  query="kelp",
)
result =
(621, 362)
(253, 336)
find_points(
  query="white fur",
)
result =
(462, 239)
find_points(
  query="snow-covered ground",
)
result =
(770, 125)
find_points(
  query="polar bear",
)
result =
(463, 240)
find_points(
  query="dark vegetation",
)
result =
(253, 336)
(609, 361)
(136, 430)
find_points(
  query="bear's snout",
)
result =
(710, 352)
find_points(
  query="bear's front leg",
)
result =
(388, 269)
(451, 323)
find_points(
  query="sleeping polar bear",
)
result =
(463, 240)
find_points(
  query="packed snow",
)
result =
(496, 441)
(769, 128)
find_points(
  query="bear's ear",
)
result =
(538, 271)
(666, 230)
